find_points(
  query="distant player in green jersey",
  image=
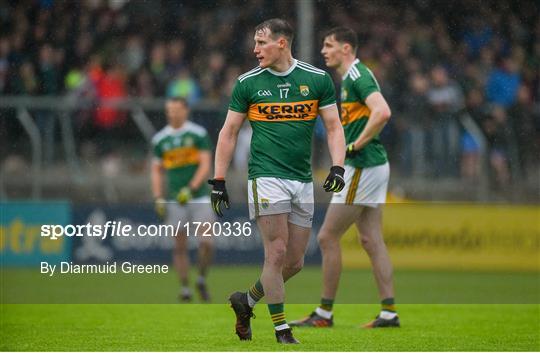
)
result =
(364, 113)
(182, 150)
(281, 98)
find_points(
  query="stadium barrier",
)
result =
(21, 243)
(142, 114)
(65, 109)
(418, 235)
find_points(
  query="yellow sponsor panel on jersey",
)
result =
(290, 111)
(180, 157)
(352, 111)
(455, 237)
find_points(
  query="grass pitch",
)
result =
(480, 313)
(199, 327)
(28, 286)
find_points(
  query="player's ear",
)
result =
(282, 42)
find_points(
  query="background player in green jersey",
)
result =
(182, 150)
(364, 113)
(281, 99)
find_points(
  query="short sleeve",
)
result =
(158, 153)
(328, 92)
(239, 99)
(204, 143)
(366, 84)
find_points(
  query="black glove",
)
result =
(335, 181)
(350, 151)
(219, 195)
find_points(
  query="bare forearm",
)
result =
(156, 180)
(227, 143)
(224, 151)
(376, 122)
(203, 171)
(334, 134)
(336, 145)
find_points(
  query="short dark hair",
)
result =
(278, 27)
(344, 35)
(178, 99)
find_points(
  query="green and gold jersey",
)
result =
(178, 152)
(281, 108)
(357, 84)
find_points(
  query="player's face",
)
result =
(267, 50)
(332, 52)
(177, 113)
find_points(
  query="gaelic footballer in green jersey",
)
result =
(364, 112)
(281, 99)
(178, 152)
(356, 85)
(282, 108)
(366, 170)
(182, 154)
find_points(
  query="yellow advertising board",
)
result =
(455, 236)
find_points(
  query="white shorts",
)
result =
(196, 210)
(366, 187)
(269, 196)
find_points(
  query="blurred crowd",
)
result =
(446, 68)
(445, 65)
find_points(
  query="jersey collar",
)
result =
(284, 73)
(356, 61)
(174, 131)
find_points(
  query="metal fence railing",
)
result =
(138, 111)
(63, 108)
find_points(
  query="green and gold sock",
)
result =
(277, 314)
(326, 304)
(389, 305)
(255, 293)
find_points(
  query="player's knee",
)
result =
(275, 255)
(295, 267)
(327, 241)
(275, 260)
(369, 240)
(365, 242)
